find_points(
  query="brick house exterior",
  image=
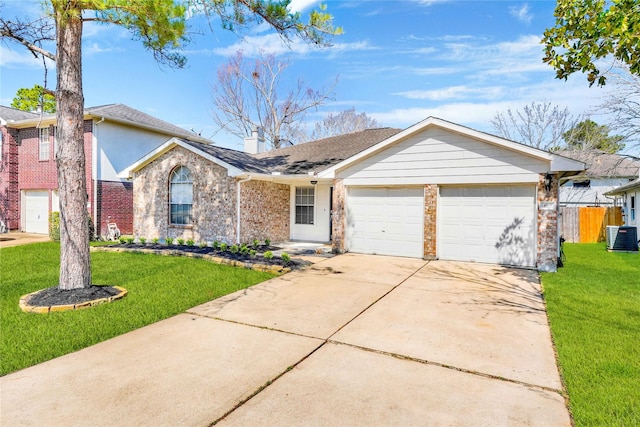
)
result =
(436, 190)
(28, 166)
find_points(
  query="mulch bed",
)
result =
(207, 250)
(55, 296)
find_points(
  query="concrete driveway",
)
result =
(352, 340)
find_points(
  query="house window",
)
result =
(582, 184)
(633, 208)
(180, 196)
(43, 146)
(305, 197)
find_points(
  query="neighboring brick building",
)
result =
(114, 136)
(436, 190)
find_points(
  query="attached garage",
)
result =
(494, 224)
(36, 212)
(385, 221)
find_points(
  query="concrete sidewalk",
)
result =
(17, 238)
(352, 340)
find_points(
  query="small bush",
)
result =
(234, 249)
(256, 242)
(142, 240)
(169, 241)
(215, 245)
(54, 226)
(285, 257)
(223, 246)
(253, 253)
(203, 244)
(268, 255)
(244, 249)
(155, 240)
(122, 240)
(267, 242)
(190, 242)
(180, 242)
(129, 240)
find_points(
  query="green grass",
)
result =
(594, 311)
(159, 287)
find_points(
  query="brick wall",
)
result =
(547, 225)
(9, 192)
(265, 211)
(430, 224)
(338, 221)
(35, 174)
(214, 199)
(115, 204)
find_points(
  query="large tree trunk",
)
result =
(75, 260)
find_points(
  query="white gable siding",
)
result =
(592, 195)
(437, 156)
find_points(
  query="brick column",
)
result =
(548, 209)
(430, 228)
(339, 216)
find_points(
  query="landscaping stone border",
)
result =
(275, 269)
(26, 307)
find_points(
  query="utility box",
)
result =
(622, 238)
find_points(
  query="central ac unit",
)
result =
(622, 238)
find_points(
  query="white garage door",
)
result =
(36, 212)
(494, 224)
(385, 221)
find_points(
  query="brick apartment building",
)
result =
(115, 136)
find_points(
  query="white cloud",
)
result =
(522, 13)
(455, 92)
(300, 5)
(20, 58)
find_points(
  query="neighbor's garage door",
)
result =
(386, 221)
(36, 212)
(494, 224)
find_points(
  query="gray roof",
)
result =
(313, 156)
(604, 165)
(115, 112)
(11, 114)
(624, 188)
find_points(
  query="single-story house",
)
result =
(629, 197)
(434, 190)
(605, 172)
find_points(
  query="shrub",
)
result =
(256, 242)
(122, 240)
(285, 257)
(234, 249)
(244, 249)
(54, 226)
(267, 242)
(155, 240)
(203, 244)
(190, 242)
(142, 240)
(253, 253)
(223, 246)
(215, 245)
(268, 255)
(180, 242)
(169, 241)
(129, 240)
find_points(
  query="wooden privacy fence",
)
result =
(588, 224)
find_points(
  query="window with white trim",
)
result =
(305, 202)
(43, 144)
(633, 208)
(180, 196)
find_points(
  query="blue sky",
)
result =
(398, 61)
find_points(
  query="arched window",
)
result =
(180, 196)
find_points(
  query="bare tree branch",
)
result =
(30, 34)
(624, 105)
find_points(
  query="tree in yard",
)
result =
(35, 99)
(588, 30)
(588, 135)
(161, 27)
(250, 94)
(539, 125)
(623, 105)
(346, 121)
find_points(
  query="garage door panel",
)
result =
(385, 221)
(487, 224)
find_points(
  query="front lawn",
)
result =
(594, 310)
(159, 287)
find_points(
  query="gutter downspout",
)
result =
(94, 172)
(238, 207)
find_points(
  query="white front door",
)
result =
(493, 224)
(385, 221)
(36, 212)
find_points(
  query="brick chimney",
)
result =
(254, 144)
